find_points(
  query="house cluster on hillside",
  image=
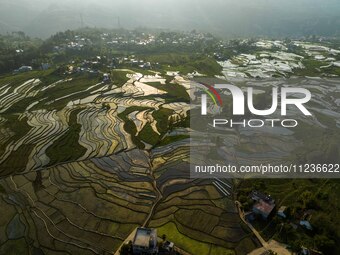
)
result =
(129, 38)
(133, 62)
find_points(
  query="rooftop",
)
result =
(144, 237)
(264, 207)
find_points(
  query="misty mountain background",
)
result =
(225, 18)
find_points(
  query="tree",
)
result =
(260, 185)
(323, 224)
(325, 244)
(295, 245)
(243, 198)
(305, 198)
(248, 205)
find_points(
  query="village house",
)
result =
(282, 212)
(263, 208)
(264, 204)
(145, 242)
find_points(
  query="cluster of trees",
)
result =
(324, 224)
(17, 49)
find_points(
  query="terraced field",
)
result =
(87, 109)
(202, 213)
(83, 163)
(91, 206)
(82, 207)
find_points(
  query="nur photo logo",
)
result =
(280, 99)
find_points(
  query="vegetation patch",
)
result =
(129, 126)
(66, 148)
(184, 242)
(119, 77)
(17, 160)
(318, 196)
(175, 92)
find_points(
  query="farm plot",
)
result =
(205, 218)
(73, 208)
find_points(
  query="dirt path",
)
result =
(158, 199)
(149, 217)
(273, 245)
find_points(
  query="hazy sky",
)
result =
(228, 18)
